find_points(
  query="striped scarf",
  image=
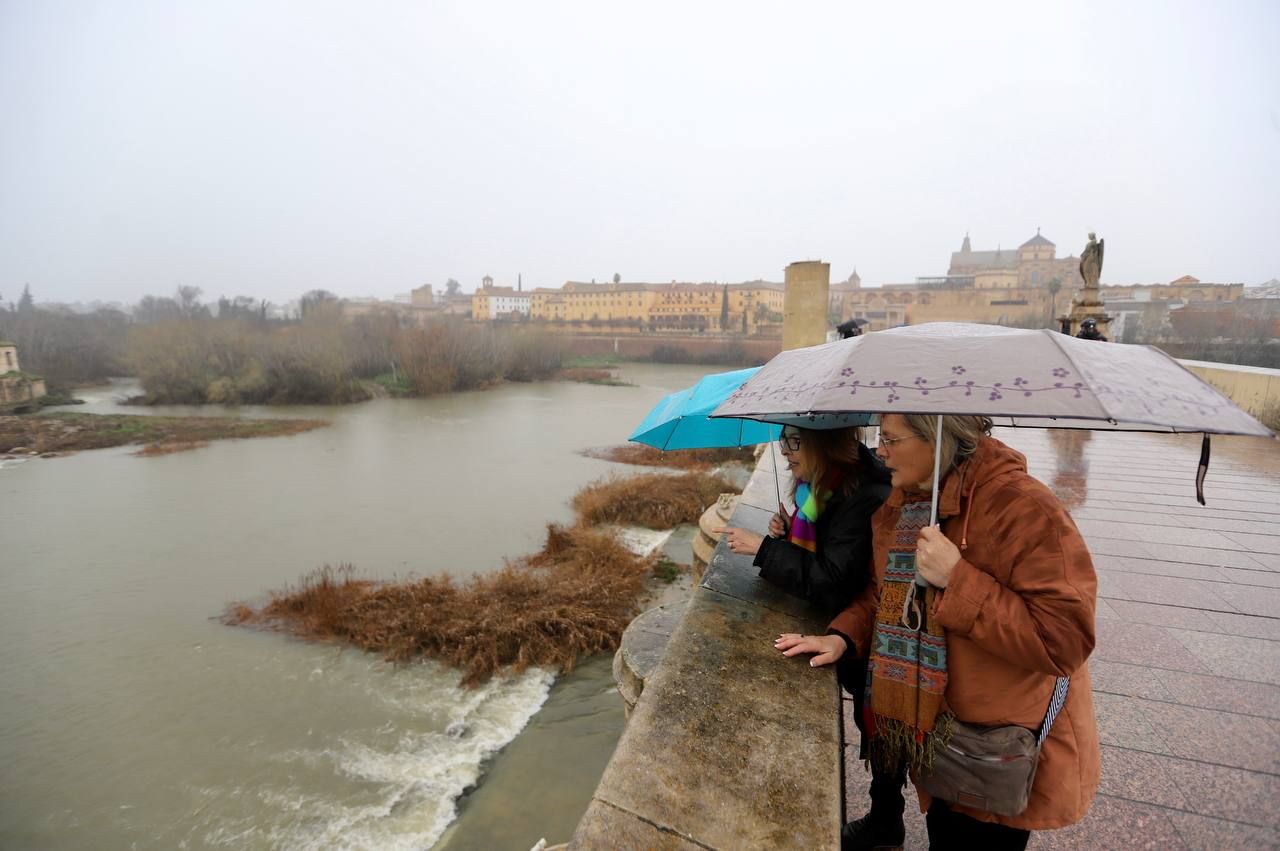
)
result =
(810, 502)
(907, 672)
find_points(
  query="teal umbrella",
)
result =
(681, 421)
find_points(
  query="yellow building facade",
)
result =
(674, 305)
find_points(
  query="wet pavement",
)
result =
(1186, 672)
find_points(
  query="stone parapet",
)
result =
(641, 650)
(729, 745)
(1253, 388)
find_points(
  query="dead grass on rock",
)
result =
(587, 374)
(575, 597)
(682, 459)
(151, 450)
(654, 500)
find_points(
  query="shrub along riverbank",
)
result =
(325, 359)
(573, 598)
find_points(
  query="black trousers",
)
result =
(851, 671)
(949, 830)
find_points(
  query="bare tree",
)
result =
(316, 301)
(188, 301)
(153, 309)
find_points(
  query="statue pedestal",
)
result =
(1087, 306)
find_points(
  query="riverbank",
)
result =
(72, 432)
(571, 599)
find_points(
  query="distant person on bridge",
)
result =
(851, 328)
(1089, 331)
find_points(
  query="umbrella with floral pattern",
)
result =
(1018, 377)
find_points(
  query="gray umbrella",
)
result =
(1035, 378)
(1017, 377)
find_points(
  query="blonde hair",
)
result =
(821, 449)
(960, 435)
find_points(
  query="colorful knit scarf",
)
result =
(907, 672)
(810, 502)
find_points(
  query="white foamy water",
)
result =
(642, 541)
(410, 780)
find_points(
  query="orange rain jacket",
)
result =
(1018, 612)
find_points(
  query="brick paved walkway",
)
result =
(1186, 673)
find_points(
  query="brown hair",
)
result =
(825, 448)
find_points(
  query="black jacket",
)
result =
(841, 567)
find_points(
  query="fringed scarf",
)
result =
(907, 672)
(810, 502)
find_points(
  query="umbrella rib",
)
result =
(1054, 337)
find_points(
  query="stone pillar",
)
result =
(804, 311)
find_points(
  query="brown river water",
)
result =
(131, 718)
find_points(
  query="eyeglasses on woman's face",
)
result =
(891, 442)
(789, 441)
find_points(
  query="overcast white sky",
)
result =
(267, 148)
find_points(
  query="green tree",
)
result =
(26, 304)
(1054, 285)
(451, 286)
(724, 308)
(617, 279)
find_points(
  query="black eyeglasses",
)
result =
(790, 441)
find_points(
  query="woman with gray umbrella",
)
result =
(1006, 618)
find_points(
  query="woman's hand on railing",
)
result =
(828, 648)
(740, 541)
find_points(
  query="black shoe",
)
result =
(871, 833)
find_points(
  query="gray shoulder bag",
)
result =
(991, 768)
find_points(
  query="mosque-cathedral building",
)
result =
(1028, 286)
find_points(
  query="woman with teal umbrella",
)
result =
(822, 550)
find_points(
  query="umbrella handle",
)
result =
(773, 457)
(937, 469)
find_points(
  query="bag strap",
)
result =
(1056, 701)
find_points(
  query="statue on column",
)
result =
(1091, 261)
(1087, 315)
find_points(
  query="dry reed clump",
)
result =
(64, 432)
(655, 500)
(151, 450)
(574, 597)
(580, 373)
(683, 459)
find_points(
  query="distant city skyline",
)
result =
(247, 148)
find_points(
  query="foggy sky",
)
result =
(268, 148)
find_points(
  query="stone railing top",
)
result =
(1230, 367)
(731, 745)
